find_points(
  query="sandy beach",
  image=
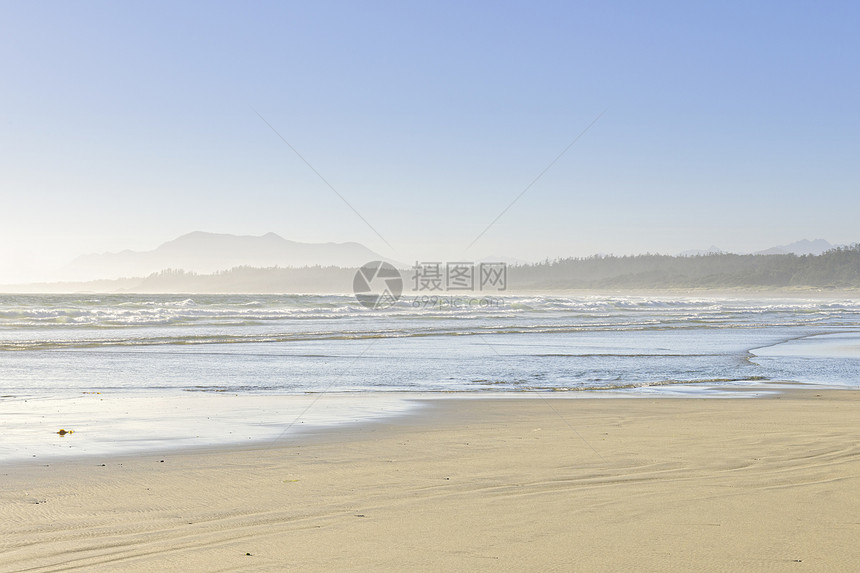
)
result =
(767, 484)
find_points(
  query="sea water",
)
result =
(137, 372)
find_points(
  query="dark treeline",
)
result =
(251, 279)
(837, 268)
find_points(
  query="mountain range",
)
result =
(802, 247)
(207, 253)
(202, 252)
(221, 263)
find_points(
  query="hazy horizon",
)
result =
(428, 126)
(205, 253)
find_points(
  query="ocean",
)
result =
(148, 371)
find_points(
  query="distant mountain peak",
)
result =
(205, 252)
(801, 247)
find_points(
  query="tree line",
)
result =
(837, 268)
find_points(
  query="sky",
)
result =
(126, 124)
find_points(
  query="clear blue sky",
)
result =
(126, 124)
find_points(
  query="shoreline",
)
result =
(473, 484)
(116, 425)
(422, 409)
